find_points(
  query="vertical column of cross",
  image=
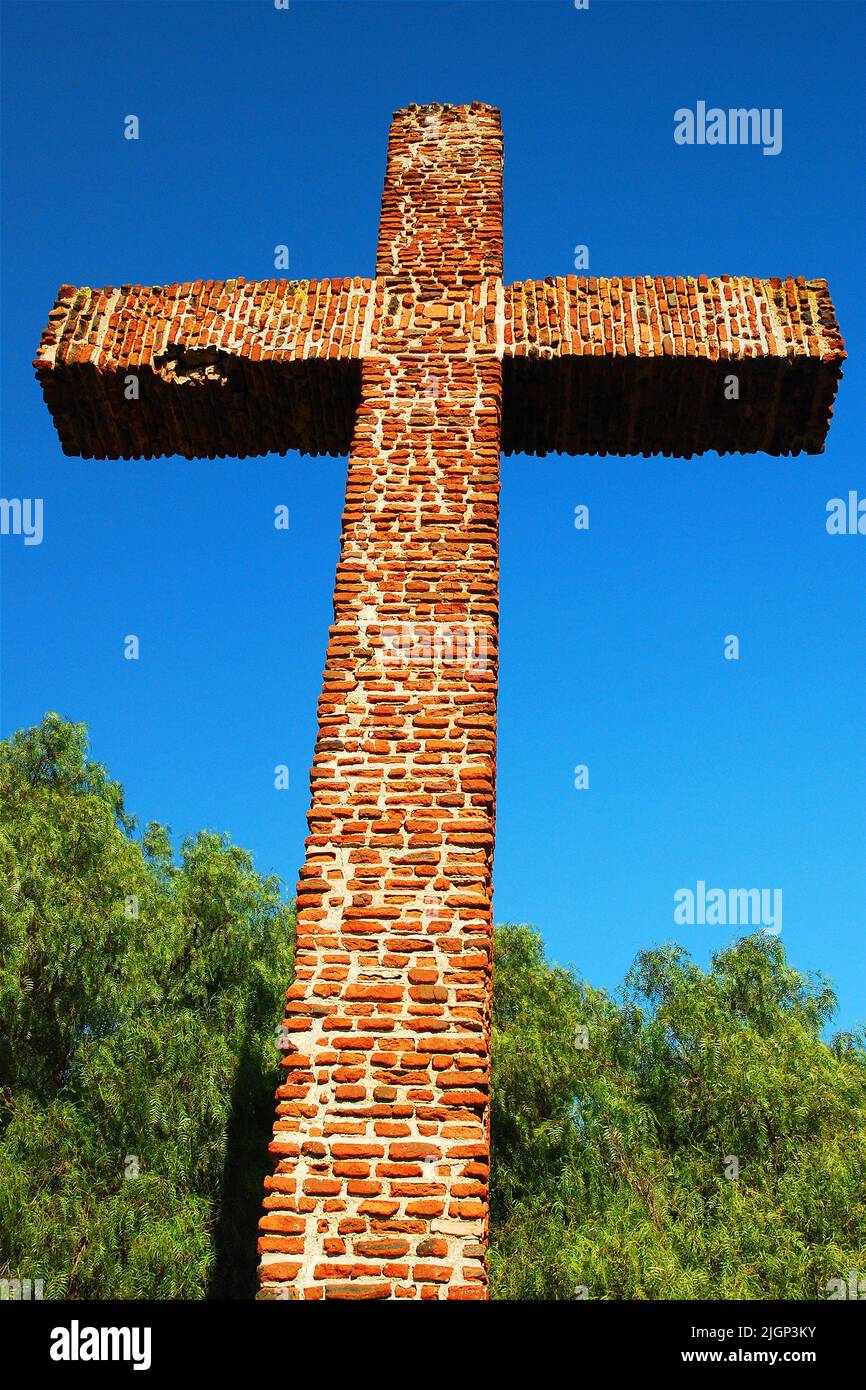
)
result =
(381, 1136)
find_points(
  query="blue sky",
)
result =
(261, 127)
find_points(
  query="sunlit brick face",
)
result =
(382, 1136)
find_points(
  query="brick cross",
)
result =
(424, 375)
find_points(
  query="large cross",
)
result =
(424, 375)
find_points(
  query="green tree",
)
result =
(698, 1139)
(139, 997)
(695, 1138)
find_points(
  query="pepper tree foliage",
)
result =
(696, 1140)
(137, 1053)
(138, 1064)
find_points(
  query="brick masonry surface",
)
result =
(424, 375)
(639, 365)
(636, 365)
(227, 367)
(381, 1136)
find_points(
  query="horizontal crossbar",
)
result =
(678, 366)
(590, 366)
(220, 368)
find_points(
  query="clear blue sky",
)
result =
(261, 127)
